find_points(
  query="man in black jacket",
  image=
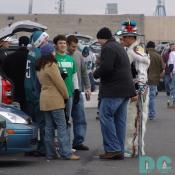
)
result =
(116, 89)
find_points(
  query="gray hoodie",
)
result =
(83, 78)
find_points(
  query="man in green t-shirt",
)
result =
(68, 69)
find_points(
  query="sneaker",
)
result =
(49, 158)
(81, 147)
(128, 154)
(73, 150)
(73, 157)
(152, 118)
(112, 155)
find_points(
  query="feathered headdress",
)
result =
(129, 28)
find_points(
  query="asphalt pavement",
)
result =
(160, 141)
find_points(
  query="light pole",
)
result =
(30, 7)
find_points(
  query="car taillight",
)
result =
(6, 91)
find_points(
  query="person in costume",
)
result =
(139, 65)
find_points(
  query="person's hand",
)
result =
(88, 94)
(63, 75)
(134, 99)
(76, 96)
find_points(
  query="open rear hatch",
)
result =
(21, 26)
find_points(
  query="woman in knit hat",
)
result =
(52, 103)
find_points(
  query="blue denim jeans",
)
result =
(113, 115)
(38, 119)
(152, 98)
(52, 119)
(172, 88)
(79, 122)
(167, 81)
(68, 107)
(68, 111)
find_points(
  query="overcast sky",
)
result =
(146, 7)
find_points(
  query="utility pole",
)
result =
(60, 4)
(30, 7)
(160, 8)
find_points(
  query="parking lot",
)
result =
(159, 141)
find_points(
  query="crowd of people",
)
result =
(49, 80)
(169, 60)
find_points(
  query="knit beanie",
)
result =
(38, 37)
(46, 49)
(150, 44)
(104, 33)
(23, 41)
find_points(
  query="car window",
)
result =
(1, 118)
(86, 40)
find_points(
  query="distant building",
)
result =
(155, 28)
(112, 8)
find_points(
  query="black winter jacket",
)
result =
(115, 72)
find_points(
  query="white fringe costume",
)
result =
(137, 55)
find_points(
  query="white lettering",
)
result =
(28, 69)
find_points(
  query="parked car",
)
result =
(160, 47)
(95, 47)
(6, 90)
(2, 134)
(18, 133)
(6, 86)
(83, 39)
